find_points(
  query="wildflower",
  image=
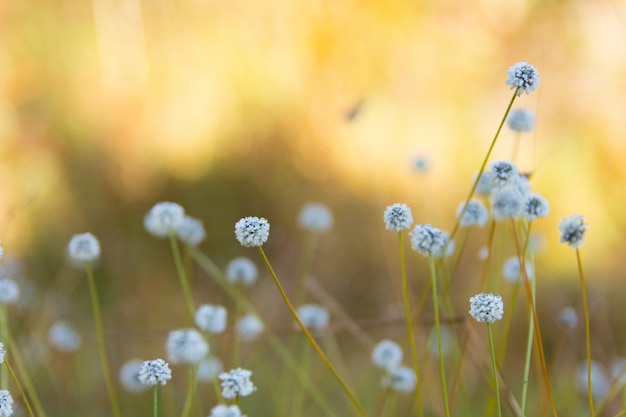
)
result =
(211, 318)
(521, 120)
(618, 369)
(249, 327)
(485, 183)
(486, 308)
(63, 336)
(222, 410)
(9, 291)
(421, 164)
(313, 316)
(401, 379)
(599, 380)
(83, 248)
(507, 203)
(164, 218)
(241, 271)
(6, 403)
(475, 214)
(191, 231)
(535, 206)
(511, 269)
(209, 368)
(155, 371)
(315, 217)
(387, 354)
(503, 173)
(398, 217)
(236, 383)
(129, 376)
(186, 345)
(483, 253)
(573, 230)
(567, 317)
(2, 353)
(252, 231)
(524, 77)
(428, 240)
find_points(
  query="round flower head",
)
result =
(485, 183)
(129, 376)
(9, 291)
(191, 231)
(401, 379)
(2, 353)
(64, 337)
(163, 218)
(313, 316)
(503, 173)
(315, 217)
(6, 403)
(186, 345)
(155, 371)
(524, 77)
(486, 308)
(567, 318)
(222, 410)
(83, 248)
(511, 269)
(507, 203)
(211, 318)
(475, 214)
(209, 368)
(573, 230)
(599, 378)
(535, 206)
(398, 217)
(241, 271)
(521, 120)
(249, 327)
(387, 354)
(236, 383)
(252, 231)
(428, 240)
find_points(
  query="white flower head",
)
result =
(573, 230)
(568, 318)
(485, 183)
(511, 269)
(398, 217)
(83, 248)
(164, 218)
(313, 316)
(2, 353)
(249, 327)
(186, 345)
(483, 253)
(209, 368)
(242, 271)
(401, 379)
(236, 383)
(387, 354)
(211, 318)
(129, 376)
(521, 120)
(486, 308)
(64, 337)
(524, 77)
(315, 217)
(507, 203)
(475, 214)
(503, 173)
(252, 231)
(154, 372)
(535, 206)
(191, 231)
(6, 403)
(9, 291)
(600, 382)
(222, 410)
(429, 240)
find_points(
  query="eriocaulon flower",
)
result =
(64, 337)
(475, 214)
(9, 291)
(241, 271)
(398, 217)
(504, 173)
(209, 368)
(568, 318)
(2, 353)
(191, 231)
(313, 316)
(211, 318)
(428, 240)
(573, 230)
(252, 231)
(511, 269)
(485, 183)
(236, 383)
(249, 327)
(129, 376)
(387, 354)
(507, 203)
(222, 410)
(521, 120)
(535, 206)
(315, 217)
(401, 379)
(154, 372)
(186, 345)
(83, 248)
(524, 76)
(163, 218)
(6, 403)
(486, 308)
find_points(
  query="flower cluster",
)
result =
(186, 345)
(249, 327)
(524, 77)
(521, 120)
(474, 214)
(63, 336)
(313, 316)
(486, 308)
(252, 231)
(6, 403)
(154, 372)
(387, 354)
(241, 271)
(191, 231)
(398, 217)
(83, 248)
(315, 217)
(211, 318)
(236, 383)
(428, 240)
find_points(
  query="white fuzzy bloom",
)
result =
(535, 206)
(211, 318)
(83, 248)
(486, 308)
(511, 269)
(618, 369)
(241, 271)
(249, 327)
(398, 217)
(521, 120)
(236, 383)
(9, 291)
(6, 403)
(252, 231)
(475, 214)
(313, 316)
(483, 253)
(573, 230)
(129, 376)
(191, 231)
(599, 380)
(64, 337)
(315, 217)
(222, 410)
(485, 183)
(209, 368)
(154, 372)
(164, 218)
(567, 317)
(428, 240)
(503, 173)
(401, 379)
(523, 76)
(186, 345)
(507, 203)
(2, 353)
(387, 354)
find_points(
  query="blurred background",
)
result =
(236, 108)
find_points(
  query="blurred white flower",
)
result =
(315, 217)
(83, 248)
(242, 271)
(186, 345)
(164, 218)
(129, 376)
(64, 337)
(387, 354)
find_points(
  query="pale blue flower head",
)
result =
(387, 354)
(191, 231)
(164, 218)
(504, 173)
(6, 403)
(507, 203)
(83, 248)
(601, 383)
(398, 217)
(129, 376)
(313, 316)
(186, 345)
(401, 379)
(315, 217)
(567, 318)
(211, 318)
(573, 230)
(524, 77)
(428, 240)
(154, 372)
(521, 120)
(249, 327)
(485, 183)
(209, 368)
(2, 353)
(241, 271)
(222, 410)
(421, 164)
(9, 291)
(475, 214)
(486, 308)
(511, 269)
(535, 206)
(64, 337)
(252, 231)
(236, 383)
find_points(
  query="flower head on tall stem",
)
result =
(315, 217)
(535, 206)
(428, 240)
(186, 345)
(252, 231)
(573, 230)
(222, 410)
(211, 318)
(486, 308)
(521, 120)
(236, 383)
(164, 218)
(398, 217)
(83, 248)
(241, 270)
(191, 231)
(523, 77)
(387, 354)
(474, 214)
(154, 372)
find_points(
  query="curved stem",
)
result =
(442, 370)
(19, 387)
(587, 331)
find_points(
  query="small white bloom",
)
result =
(241, 271)
(401, 379)
(63, 336)
(154, 372)
(511, 269)
(2, 353)
(315, 217)
(483, 253)
(313, 316)
(211, 318)
(186, 345)
(521, 120)
(428, 240)
(486, 308)
(387, 354)
(398, 217)
(209, 368)
(249, 327)
(535, 206)
(567, 318)
(524, 77)
(9, 291)
(129, 376)
(1, 252)
(599, 380)
(164, 218)
(236, 383)
(485, 183)
(618, 369)
(83, 248)
(222, 410)
(573, 230)
(503, 173)
(252, 231)
(6, 403)
(507, 203)
(191, 231)
(475, 214)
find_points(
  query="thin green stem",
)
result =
(529, 350)
(587, 330)
(442, 371)
(308, 335)
(182, 275)
(21, 368)
(495, 368)
(4, 330)
(155, 402)
(19, 387)
(191, 389)
(97, 318)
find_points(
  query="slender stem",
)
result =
(191, 389)
(19, 387)
(21, 368)
(529, 349)
(182, 275)
(495, 368)
(97, 318)
(308, 335)
(409, 321)
(442, 370)
(587, 330)
(155, 402)
(4, 330)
